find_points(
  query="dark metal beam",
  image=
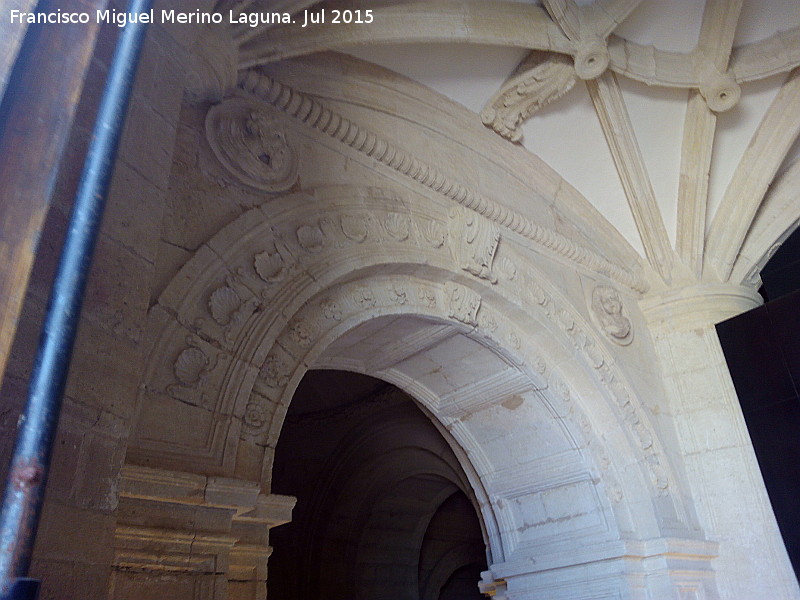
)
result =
(31, 457)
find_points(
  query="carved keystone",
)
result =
(591, 59)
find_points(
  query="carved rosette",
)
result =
(255, 417)
(397, 295)
(608, 311)
(301, 333)
(247, 139)
(275, 372)
(364, 297)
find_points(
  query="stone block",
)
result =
(97, 473)
(104, 371)
(133, 213)
(147, 142)
(72, 534)
(117, 291)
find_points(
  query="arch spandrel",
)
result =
(268, 296)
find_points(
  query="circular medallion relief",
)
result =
(247, 139)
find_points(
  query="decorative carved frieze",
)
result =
(247, 139)
(317, 115)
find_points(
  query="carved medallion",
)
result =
(247, 139)
(608, 311)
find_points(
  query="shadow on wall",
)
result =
(762, 349)
(384, 509)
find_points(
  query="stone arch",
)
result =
(286, 285)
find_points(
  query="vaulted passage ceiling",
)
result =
(383, 508)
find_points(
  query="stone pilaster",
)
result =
(192, 537)
(713, 443)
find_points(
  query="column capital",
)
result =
(697, 306)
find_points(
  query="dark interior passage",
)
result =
(384, 510)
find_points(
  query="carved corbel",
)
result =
(541, 78)
(213, 68)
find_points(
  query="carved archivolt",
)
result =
(247, 139)
(362, 238)
(315, 114)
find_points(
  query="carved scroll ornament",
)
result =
(541, 78)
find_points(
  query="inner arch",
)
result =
(384, 509)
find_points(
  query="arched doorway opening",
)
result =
(384, 508)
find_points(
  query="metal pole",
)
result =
(30, 460)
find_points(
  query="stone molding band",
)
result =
(314, 113)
